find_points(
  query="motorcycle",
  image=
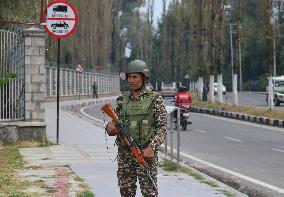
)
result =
(184, 115)
(184, 118)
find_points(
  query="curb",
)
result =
(226, 114)
(239, 116)
(77, 105)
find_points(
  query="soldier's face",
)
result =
(135, 81)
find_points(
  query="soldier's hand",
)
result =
(148, 153)
(111, 129)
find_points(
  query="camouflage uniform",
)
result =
(128, 168)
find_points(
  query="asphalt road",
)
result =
(253, 150)
(250, 150)
(256, 99)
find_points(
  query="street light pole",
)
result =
(274, 55)
(232, 53)
(240, 63)
(274, 47)
(234, 76)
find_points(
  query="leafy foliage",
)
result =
(177, 25)
(20, 10)
(10, 160)
(7, 77)
(192, 37)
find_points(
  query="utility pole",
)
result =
(269, 51)
(199, 35)
(274, 55)
(232, 52)
(240, 63)
(280, 2)
(232, 56)
(238, 38)
(234, 76)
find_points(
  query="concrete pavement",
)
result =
(91, 154)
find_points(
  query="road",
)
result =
(253, 150)
(256, 99)
(248, 150)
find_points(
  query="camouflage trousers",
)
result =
(128, 172)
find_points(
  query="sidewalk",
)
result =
(83, 147)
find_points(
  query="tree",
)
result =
(19, 11)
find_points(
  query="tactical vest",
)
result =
(138, 116)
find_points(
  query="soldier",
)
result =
(144, 113)
(95, 90)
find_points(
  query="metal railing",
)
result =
(12, 97)
(169, 138)
(73, 83)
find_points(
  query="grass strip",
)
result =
(11, 160)
(171, 166)
(262, 112)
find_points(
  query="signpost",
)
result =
(187, 77)
(79, 70)
(60, 19)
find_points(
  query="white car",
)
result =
(224, 91)
(168, 89)
(278, 90)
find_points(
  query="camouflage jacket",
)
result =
(159, 113)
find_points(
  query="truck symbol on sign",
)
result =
(60, 24)
(60, 8)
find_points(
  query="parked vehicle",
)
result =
(60, 8)
(278, 90)
(224, 91)
(168, 89)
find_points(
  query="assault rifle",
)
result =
(125, 134)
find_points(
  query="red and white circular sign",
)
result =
(60, 18)
(79, 68)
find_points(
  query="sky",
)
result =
(158, 9)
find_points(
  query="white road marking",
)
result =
(89, 116)
(272, 187)
(279, 150)
(233, 139)
(199, 131)
(243, 122)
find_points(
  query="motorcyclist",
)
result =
(183, 98)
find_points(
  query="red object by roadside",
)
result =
(183, 100)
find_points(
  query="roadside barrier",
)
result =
(170, 134)
(240, 116)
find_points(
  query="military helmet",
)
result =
(138, 66)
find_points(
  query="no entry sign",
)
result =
(60, 18)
